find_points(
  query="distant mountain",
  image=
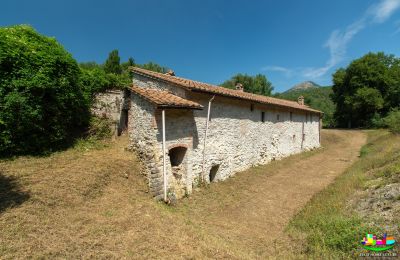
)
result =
(315, 96)
(304, 85)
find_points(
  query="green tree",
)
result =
(41, 100)
(129, 63)
(317, 98)
(368, 88)
(257, 84)
(153, 67)
(112, 64)
(392, 121)
(90, 65)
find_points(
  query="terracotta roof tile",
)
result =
(164, 99)
(217, 90)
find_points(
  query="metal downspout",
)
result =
(164, 152)
(205, 137)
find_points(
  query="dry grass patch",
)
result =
(79, 204)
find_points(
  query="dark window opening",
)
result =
(306, 118)
(176, 155)
(277, 117)
(310, 118)
(213, 172)
(252, 107)
(123, 121)
(291, 116)
(262, 116)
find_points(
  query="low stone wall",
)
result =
(114, 105)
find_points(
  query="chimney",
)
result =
(239, 87)
(300, 100)
(170, 73)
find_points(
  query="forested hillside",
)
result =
(317, 98)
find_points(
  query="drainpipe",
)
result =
(164, 152)
(205, 137)
(319, 129)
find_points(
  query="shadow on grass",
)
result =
(11, 194)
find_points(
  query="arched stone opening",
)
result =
(177, 155)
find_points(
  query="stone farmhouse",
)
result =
(187, 132)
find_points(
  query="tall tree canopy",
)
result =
(112, 64)
(366, 90)
(41, 98)
(257, 84)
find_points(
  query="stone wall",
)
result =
(114, 105)
(143, 136)
(237, 137)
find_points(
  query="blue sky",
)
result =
(211, 40)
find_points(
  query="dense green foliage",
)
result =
(95, 80)
(257, 84)
(392, 121)
(125, 65)
(366, 90)
(153, 67)
(317, 98)
(112, 64)
(41, 99)
(112, 75)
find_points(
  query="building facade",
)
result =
(187, 132)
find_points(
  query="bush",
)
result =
(41, 99)
(392, 121)
(99, 128)
(96, 80)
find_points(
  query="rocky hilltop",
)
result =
(303, 86)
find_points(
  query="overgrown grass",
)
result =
(96, 136)
(327, 227)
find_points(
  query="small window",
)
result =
(306, 117)
(213, 172)
(310, 118)
(252, 107)
(262, 116)
(277, 117)
(176, 155)
(291, 116)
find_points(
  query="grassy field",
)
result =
(92, 201)
(332, 223)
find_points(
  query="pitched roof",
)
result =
(164, 99)
(217, 90)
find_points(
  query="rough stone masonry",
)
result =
(244, 129)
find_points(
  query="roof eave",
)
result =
(255, 101)
(219, 94)
(178, 107)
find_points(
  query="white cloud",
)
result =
(382, 11)
(337, 45)
(339, 39)
(286, 71)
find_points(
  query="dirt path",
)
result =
(79, 204)
(259, 203)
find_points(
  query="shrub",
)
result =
(41, 98)
(99, 128)
(392, 121)
(96, 80)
